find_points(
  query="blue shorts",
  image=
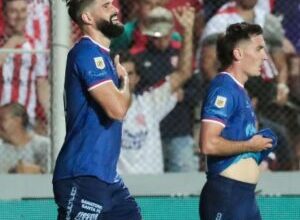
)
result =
(226, 199)
(87, 197)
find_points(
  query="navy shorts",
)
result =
(87, 197)
(226, 199)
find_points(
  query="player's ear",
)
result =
(237, 54)
(86, 18)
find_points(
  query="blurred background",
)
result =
(35, 36)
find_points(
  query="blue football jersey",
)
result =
(93, 140)
(228, 104)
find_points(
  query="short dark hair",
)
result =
(235, 33)
(76, 7)
(18, 110)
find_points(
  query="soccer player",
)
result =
(228, 129)
(85, 182)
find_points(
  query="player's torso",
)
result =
(245, 170)
(92, 142)
(241, 126)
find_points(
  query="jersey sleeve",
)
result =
(94, 68)
(218, 106)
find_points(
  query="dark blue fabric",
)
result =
(267, 133)
(87, 197)
(226, 199)
(93, 140)
(228, 103)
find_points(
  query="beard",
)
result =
(109, 29)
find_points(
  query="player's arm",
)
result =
(212, 143)
(115, 101)
(185, 16)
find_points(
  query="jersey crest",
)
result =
(100, 64)
(220, 101)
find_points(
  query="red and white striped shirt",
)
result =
(18, 77)
(38, 21)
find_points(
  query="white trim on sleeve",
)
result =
(214, 121)
(99, 84)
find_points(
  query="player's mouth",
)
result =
(114, 18)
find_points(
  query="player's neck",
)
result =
(237, 74)
(98, 37)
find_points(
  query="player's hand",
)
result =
(185, 15)
(258, 143)
(122, 73)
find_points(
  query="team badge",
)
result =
(100, 64)
(220, 101)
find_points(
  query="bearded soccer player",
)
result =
(86, 184)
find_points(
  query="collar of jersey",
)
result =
(95, 42)
(234, 79)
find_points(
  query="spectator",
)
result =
(38, 22)
(141, 141)
(209, 64)
(290, 12)
(141, 151)
(212, 6)
(21, 151)
(155, 62)
(23, 77)
(133, 37)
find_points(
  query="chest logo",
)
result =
(220, 101)
(100, 64)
